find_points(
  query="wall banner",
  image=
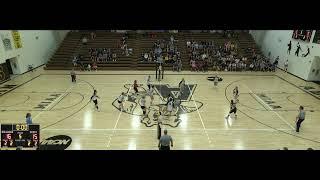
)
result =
(16, 39)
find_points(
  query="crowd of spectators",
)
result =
(163, 51)
(205, 54)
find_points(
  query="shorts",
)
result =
(233, 111)
(95, 102)
(143, 107)
(135, 89)
(119, 102)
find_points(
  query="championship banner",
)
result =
(5, 37)
(16, 39)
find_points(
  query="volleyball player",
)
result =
(233, 109)
(120, 101)
(170, 107)
(169, 98)
(73, 76)
(150, 93)
(135, 86)
(94, 98)
(215, 80)
(236, 94)
(149, 81)
(182, 85)
(143, 105)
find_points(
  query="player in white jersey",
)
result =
(149, 81)
(120, 101)
(170, 107)
(233, 109)
(216, 80)
(143, 105)
(94, 98)
(150, 93)
(236, 94)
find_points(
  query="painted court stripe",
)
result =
(171, 129)
(116, 124)
(204, 127)
(280, 117)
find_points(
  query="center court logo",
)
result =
(60, 142)
(184, 103)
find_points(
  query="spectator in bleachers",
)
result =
(93, 35)
(251, 66)
(95, 66)
(114, 57)
(84, 40)
(75, 61)
(89, 67)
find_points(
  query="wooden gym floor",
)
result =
(266, 112)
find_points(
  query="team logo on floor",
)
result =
(184, 102)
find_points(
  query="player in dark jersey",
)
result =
(236, 94)
(182, 85)
(233, 109)
(135, 86)
(94, 98)
(143, 105)
(120, 101)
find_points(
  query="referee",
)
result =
(300, 118)
(164, 142)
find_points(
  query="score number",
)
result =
(21, 127)
(8, 138)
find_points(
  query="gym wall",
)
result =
(275, 41)
(37, 46)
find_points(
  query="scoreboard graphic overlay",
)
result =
(20, 135)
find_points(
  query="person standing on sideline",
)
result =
(94, 98)
(165, 141)
(28, 118)
(160, 118)
(289, 48)
(73, 76)
(286, 64)
(300, 118)
(233, 109)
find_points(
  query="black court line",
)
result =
(52, 124)
(38, 92)
(28, 97)
(274, 93)
(172, 74)
(288, 98)
(20, 85)
(298, 87)
(282, 131)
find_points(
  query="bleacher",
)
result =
(62, 59)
